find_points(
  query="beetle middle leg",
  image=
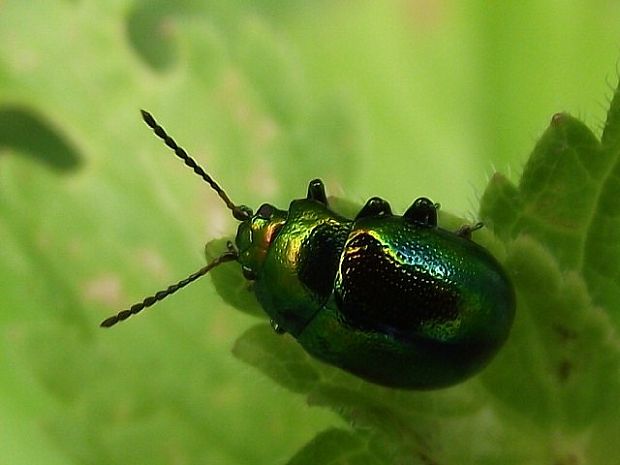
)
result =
(422, 212)
(374, 207)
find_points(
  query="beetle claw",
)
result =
(466, 230)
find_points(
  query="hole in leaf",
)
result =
(29, 134)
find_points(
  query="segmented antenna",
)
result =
(240, 212)
(149, 301)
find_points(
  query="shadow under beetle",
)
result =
(395, 300)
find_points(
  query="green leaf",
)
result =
(279, 357)
(563, 346)
(229, 282)
(95, 214)
(557, 193)
(567, 200)
(335, 447)
(601, 252)
(560, 369)
(500, 206)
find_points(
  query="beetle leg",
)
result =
(276, 327)
(316, 191)
(248, 273)
(422, 212)
(374, 207)
(466, 230)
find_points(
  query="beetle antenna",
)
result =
(151, 300)
(240, 212)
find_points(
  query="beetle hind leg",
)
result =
(466, 230)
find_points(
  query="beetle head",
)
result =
(255, 236)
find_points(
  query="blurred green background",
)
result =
(395, 98)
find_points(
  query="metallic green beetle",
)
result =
(395, 300)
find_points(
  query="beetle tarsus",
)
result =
(316, 191)
(466, 230)
(374, 207)
(422, 212)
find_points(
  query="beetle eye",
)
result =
(248, 273)
(265, 211)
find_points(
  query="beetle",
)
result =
(395, 300)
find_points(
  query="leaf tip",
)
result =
(558, 118)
